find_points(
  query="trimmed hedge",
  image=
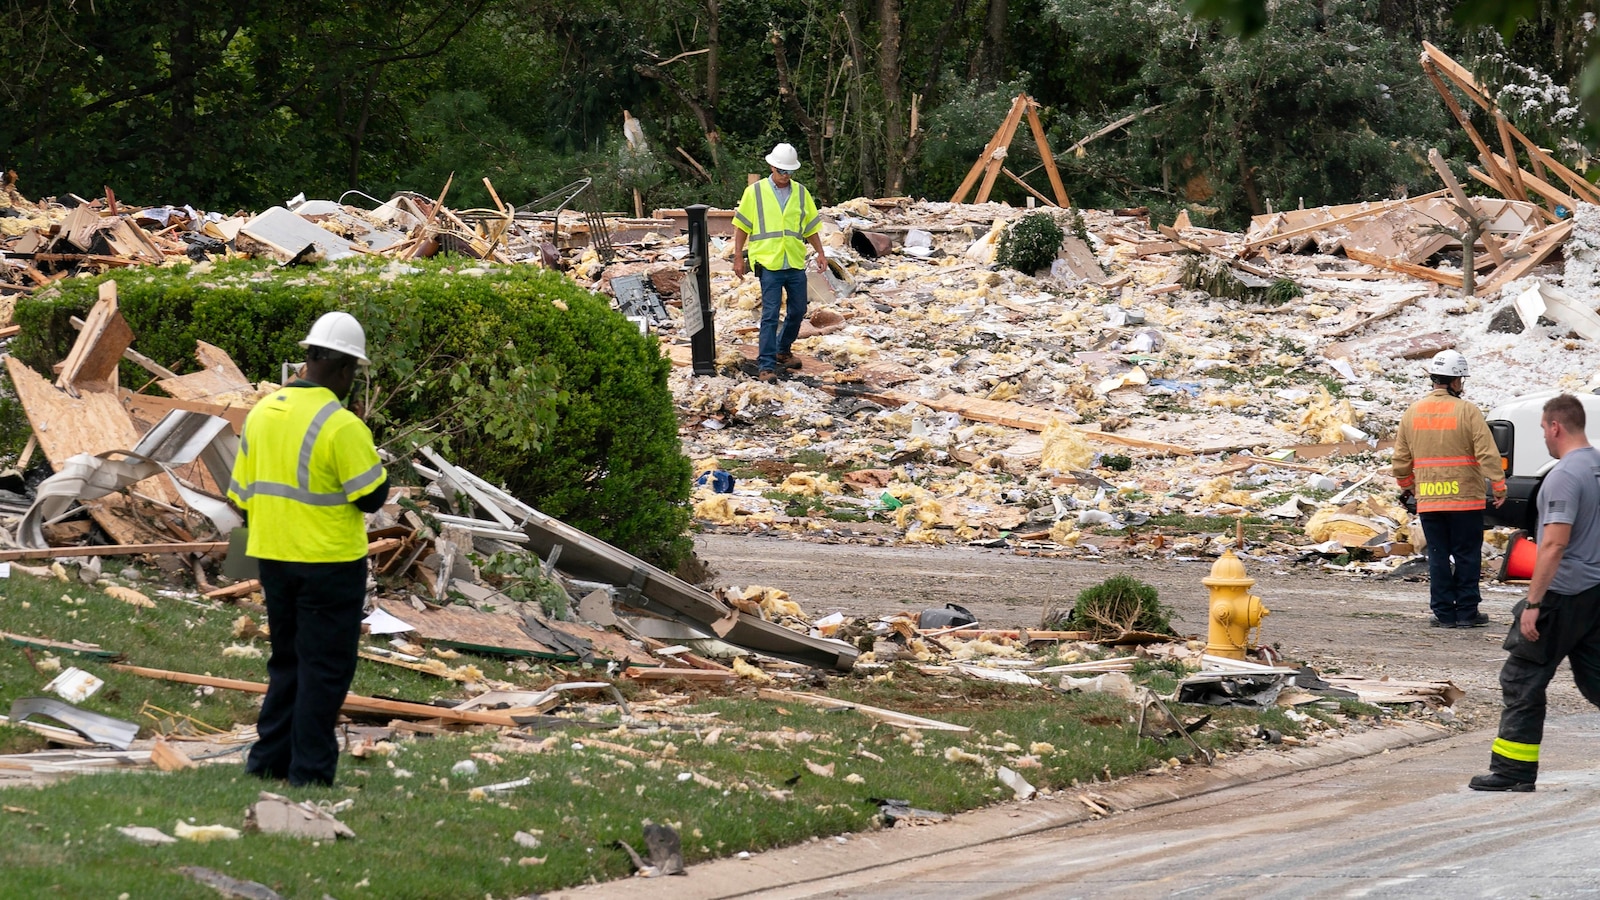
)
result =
(524, 377)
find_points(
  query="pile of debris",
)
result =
(41, 242)
(1155, 374)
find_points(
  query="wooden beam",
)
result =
(710, 676)
(1016, 415)
(1467, 210)
(1172, 235)
(114, 550)
(1502, 183)
(1537, 185)
(1462, 78)
(981, 164)
(353, 703)
(1511, 167)
(1404, 268)
(1045, 154)
(1576, 183)
(1553, 237)
(1008, 131)
(152, 408)
(1028, 187)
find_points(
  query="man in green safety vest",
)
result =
(306, 474)
(776, 218)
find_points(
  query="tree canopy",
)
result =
(1231, 106)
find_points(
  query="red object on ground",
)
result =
(1520, 554)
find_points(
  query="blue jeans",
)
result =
(773, 283)
(1454, 537)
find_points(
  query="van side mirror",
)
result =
(1504, 433)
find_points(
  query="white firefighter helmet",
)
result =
(1449, 364)
(338, 331)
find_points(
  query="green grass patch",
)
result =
(423, 832)
(1190, 524)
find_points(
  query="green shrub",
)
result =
(1031, 243)
(1118, 604)
(515, 372)
(1117, 462)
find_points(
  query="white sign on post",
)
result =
(689, 291)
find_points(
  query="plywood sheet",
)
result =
(1390, 346)
(464, 627)
(93, 360)
(93, 423)
(218, 381)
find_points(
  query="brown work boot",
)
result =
(767, 375)
(788, 361)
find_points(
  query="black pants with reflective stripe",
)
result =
(1569, 628)
(314, 611)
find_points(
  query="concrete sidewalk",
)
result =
(827, 858)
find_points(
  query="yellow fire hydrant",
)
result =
(1234, 610)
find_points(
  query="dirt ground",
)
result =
(1337, 623)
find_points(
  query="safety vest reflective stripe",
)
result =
(301, 491)
(1430, 461)
(1516, 751)
(1450, 505)
(778, 233)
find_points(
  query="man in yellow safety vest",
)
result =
(776, 218)
(306, 474)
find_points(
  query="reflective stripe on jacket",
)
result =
(777, 233)
(303, 461)
(1444, 453)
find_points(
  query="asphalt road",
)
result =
(1401, 824)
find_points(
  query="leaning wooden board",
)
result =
(587, 557)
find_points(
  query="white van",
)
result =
(1515, 426)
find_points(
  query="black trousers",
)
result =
(314, 612)
(1569, 628)
(1455, 561)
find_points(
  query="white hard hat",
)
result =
(338, 331)
(1448, 363)
(784, 157)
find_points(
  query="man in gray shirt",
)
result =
(1561, 617)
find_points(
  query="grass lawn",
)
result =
(731, 772)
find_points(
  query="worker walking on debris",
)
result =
(306, 473)
(1443, 456)
(776, 218)
(1561, 617)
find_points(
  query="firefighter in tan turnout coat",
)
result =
(1444, 455)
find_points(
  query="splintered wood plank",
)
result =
(606, 644)
(92, 362)
(1016, 415)
(1554, 237)
(150, 409)
(469, 628)
(219, 377)
(353, 703)
(1403, 267)
(698, 675)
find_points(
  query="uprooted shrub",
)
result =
(1118, 605)
(514, 372)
